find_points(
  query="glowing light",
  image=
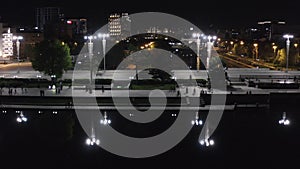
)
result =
(92, 141)
(207, 142)
(105, 121)
(284, 121)
(197, 122)
(21, 118)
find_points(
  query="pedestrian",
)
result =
(178, 93)
(102, 88)
(61, 86)
(194, 91)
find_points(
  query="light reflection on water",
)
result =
(245, 135)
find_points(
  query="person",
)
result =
(60, 84)
(102, 87)
(178, 93)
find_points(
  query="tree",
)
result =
(51, 57)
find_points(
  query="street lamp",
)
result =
(92, 140)
(197, 122)
(103, 36)
(210, 43)
(21, 118)
(105, 121)
(256, 51)
(284, 120)
(207, 142)
(18, 38)
(287, 37)
(90, 51)
(38, 77)
(198, 41)
(53, 79)
(274, 48)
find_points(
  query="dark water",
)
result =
(245, 138)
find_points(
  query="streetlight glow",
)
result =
(21, 118)
(284, 120)
(198, 41)
(274, 48)
(210, 42)
(197, 122)
(103, 36)
(105, 121)
(256, 50)
(287, 37)
(18, 38)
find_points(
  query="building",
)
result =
(119, 25)
(79, 26)
(31, 36)
(268, 28)
(1, 31)
(46, 15)
(7, 44)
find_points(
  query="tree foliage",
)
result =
(51, 57)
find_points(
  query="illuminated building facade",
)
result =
(7, 45)
(119, 25)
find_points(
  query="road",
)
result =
(23, 66)
(233, 63)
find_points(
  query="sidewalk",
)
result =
(68, 92)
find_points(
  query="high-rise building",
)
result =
(269, 28)
(79, 26)
(1, 31)
(46, 15)
(119, 25)
(7, 44)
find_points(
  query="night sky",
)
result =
(207, 13)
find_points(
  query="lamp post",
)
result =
(256, 51)
(18, 38)
(90, 51)
(287, 37)
(198, 41)
(210, 43)
(274, 48)
(103, 36)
